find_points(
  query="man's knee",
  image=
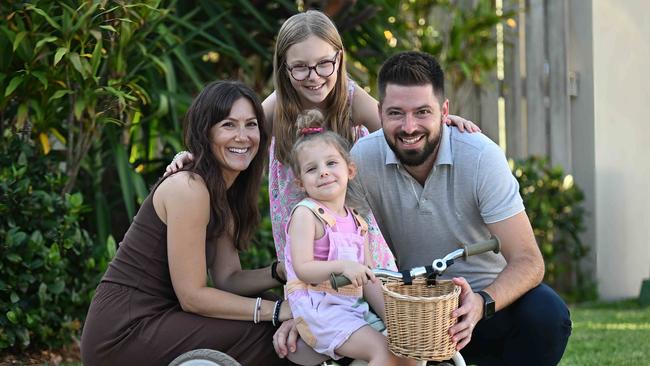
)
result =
(542, 311)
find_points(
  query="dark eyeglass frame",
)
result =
(314, 68)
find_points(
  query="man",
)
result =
(430, 188)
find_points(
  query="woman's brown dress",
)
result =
(136, 319)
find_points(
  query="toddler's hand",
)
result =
(357, 273)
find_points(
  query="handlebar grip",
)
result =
(493, 244)
(338, 281)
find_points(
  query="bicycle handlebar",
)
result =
(493, 244)
(439, 265)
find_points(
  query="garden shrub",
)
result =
(47, 264)
(553, 204)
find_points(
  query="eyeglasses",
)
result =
(323, 69)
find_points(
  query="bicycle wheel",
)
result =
(204, 357)
(457, 360)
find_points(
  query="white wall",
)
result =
(621, 89)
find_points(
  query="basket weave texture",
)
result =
(418, 318)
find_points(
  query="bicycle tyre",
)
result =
(204, 357)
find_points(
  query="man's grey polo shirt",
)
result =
(471, 185)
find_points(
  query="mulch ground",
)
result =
(68, 354)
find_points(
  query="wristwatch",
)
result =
(488, 304)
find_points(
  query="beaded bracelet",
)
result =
(276, 313)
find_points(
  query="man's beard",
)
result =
(415, 157)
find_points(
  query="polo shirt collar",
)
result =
(444, 151)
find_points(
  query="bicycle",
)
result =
(424, 278)
(408, 294)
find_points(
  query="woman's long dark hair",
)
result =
(211, 106)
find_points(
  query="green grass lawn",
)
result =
(609, 334)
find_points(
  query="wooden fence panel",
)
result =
(559, 113)
(535, 85)
(489, 101)
(535, 79)
(516, 137)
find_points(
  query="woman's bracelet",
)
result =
(276, 313)
(256, 311)
(274, 273)
(178, 154)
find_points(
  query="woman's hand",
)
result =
(357, 273)
(284, 339)
(178, 162)
(462, 124)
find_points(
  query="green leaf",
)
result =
(108, 28)
(111, 247)
(54, 253)
(76, 199)
(18, 39)
(57, 287)
(36, 237)
(60, 52)
(79, 106)
(59, 93)
(14, 297)
(41, 76)
(12, 317)
(21, 115)
(76, 62)
(43, 41)
(96, 57)
(44, 15)
(13, 257)
(13, 84)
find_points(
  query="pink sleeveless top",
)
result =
(284, 195)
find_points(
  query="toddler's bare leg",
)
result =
(369, 345)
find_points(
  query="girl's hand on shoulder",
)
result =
(178, 162)
(357, 273)
(462, 124)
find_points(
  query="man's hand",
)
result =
(469, 313)
(284, 339)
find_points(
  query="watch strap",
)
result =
(488, 304)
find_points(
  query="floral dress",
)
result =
(284, 194)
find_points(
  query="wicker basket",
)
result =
(418, 318)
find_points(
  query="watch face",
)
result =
(488, 307)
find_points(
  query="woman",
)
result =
(153, 303)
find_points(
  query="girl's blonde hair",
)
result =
(288, 106)
(310, 127)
